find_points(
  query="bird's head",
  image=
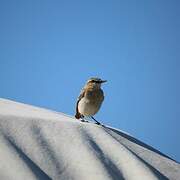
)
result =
(95, 82)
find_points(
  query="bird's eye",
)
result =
(95, 81)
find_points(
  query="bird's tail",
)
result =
(77, 115)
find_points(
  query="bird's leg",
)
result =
(98, 123)
(82, 119)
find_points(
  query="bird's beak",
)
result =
(103, 81)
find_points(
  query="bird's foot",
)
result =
(83, 120)
(98, 123)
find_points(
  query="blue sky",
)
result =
(50, 48)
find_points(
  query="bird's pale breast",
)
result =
(91, 102)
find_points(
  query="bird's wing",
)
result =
(78, 115)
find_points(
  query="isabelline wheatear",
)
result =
(90, 99)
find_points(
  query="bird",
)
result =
(90, 99)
